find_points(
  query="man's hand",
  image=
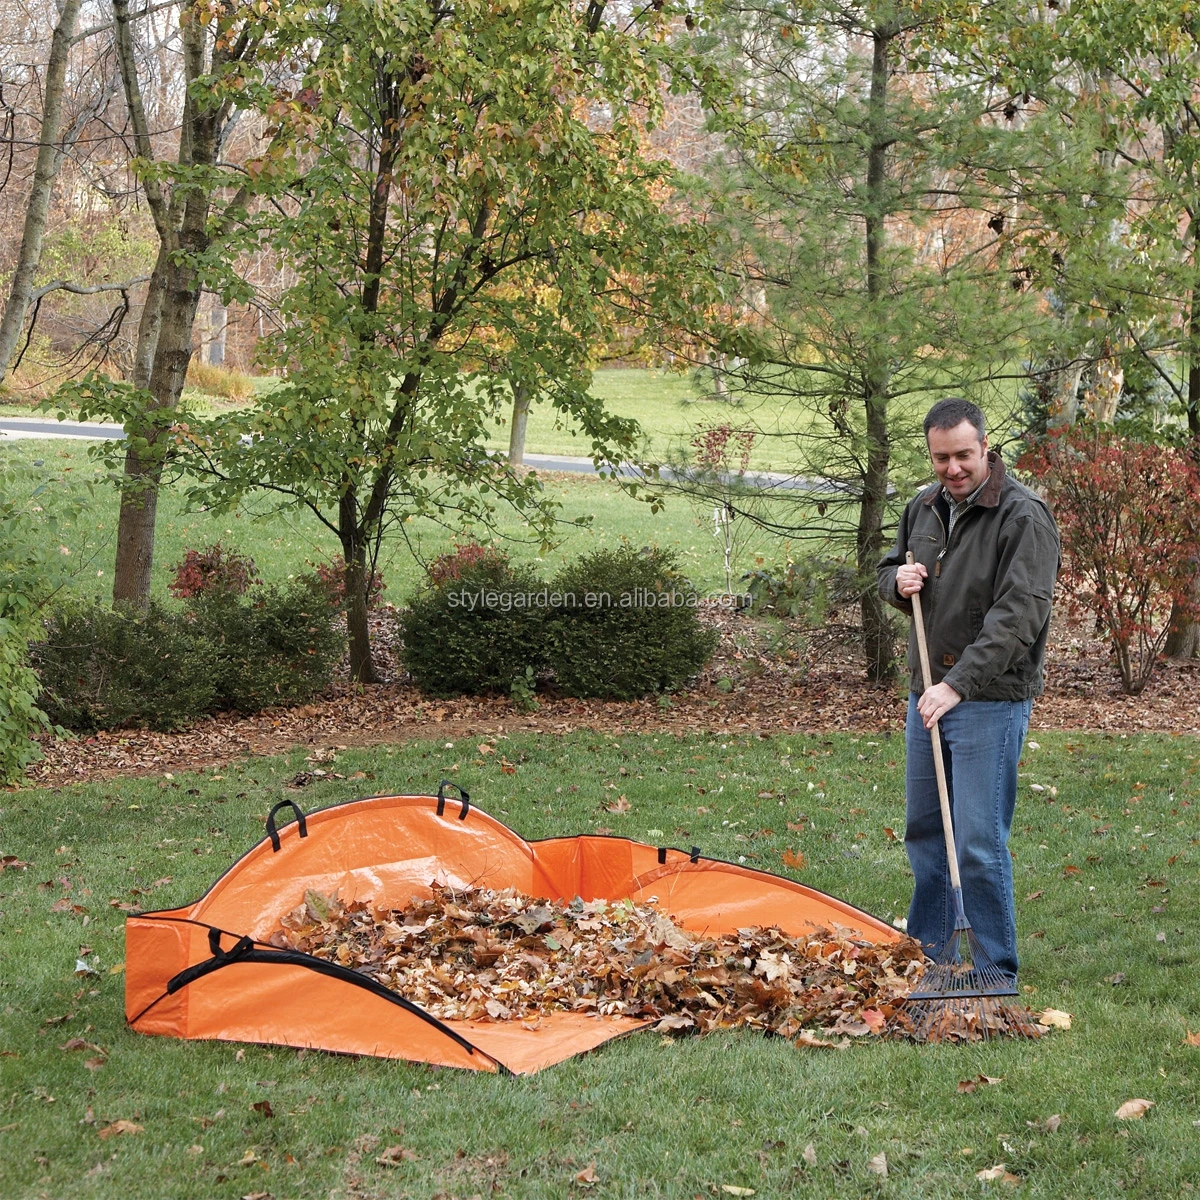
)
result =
(910, 579)
(936, 702)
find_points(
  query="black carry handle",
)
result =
(441, 799)
(273, 829)
(693, 856)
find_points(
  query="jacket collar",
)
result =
(989, 497)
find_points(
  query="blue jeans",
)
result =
(981, 743)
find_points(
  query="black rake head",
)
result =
(963, 997)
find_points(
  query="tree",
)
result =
(432, 159)
(855, 209)
(1112, 213)
(38, 207)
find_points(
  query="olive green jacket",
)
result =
(988, 594)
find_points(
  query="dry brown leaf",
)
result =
(733, 1189)
(587, 1177)
(810, 1154)
(1055, 1018)
(619, 805)
(967, 1086)
(794, 858)
(474, 954)
(94, 1064)
(998, 1174)
(1191, 1039)
(393, 1156)
(263, 1108)
(1134, 1110)
(116, 1128)
(1034, 896)
(878, 1165)
(1049, 1125)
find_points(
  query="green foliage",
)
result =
(275, 646)
(628, 625)
(104, 669)
(164, 668)
(501, 238)
(37, 508)
(806, 587)
(479, 629)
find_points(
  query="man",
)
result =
(986, 553)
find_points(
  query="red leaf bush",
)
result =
(1129, 516)
(331, 582)
(213, 571)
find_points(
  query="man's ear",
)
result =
(984, 443)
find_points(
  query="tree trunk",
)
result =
(522, 396)
(877, 633)
(168, 319)
(1183, 638)
(218, 322)
(354, 554)
(36, 212)
(144, 460)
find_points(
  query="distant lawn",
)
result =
(287, 542)
(1107, 867)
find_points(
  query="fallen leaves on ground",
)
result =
(393, 1156)
(733, 1189)
(998, 1174)
(484, 955)
(966, 1086)
(878, 1165)
(1134, 1110)
(115, 1128)
(1191, 1039)
(1054, 1018)
(587, 1177)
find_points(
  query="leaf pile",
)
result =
(500, 955)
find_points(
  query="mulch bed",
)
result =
(809, 682)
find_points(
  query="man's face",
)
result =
(959, 458)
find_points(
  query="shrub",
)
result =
(278, 648)
(103, 668)
(806, 588)
(212, 571)
(472, 628)
(1129, 517)
(627, 626)
(219, 381)
(466, 556)
(329, 580)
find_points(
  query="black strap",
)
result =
(245, 951)
(695, 855)
(662, 855)
(441, 799)
(273, 830)
(220, 958)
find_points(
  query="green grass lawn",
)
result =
(1106, 858)
(286, 542)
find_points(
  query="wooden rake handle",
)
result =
(935, 735)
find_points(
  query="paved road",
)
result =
(33, 427)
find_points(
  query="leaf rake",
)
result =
(963, 996)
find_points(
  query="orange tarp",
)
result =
(206, 970)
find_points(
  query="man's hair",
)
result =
(952, 412)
